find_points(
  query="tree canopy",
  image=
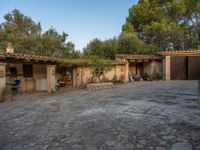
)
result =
(125, 43)
(169, 24)
(151, 26)
(27, 37)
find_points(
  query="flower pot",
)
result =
(7, 94)
(7, 98)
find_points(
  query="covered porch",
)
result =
(142, 65)
(34, 73)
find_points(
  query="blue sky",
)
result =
(83, 20)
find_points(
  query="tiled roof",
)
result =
(138, 57)
(28, 58)
(181, 52)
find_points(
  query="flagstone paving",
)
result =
(160, 115)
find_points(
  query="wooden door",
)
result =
(178, 68)
(193, 67)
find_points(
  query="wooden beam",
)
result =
(132, 60)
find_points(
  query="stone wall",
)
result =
(2, 78)
(28, 84)
(167, 68)
(153, 67)
(82, 75)
(99, 86)
(51, 73)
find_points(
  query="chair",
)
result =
(146, 77)
(136, 77)
(16, 86)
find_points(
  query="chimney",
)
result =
(9, 48)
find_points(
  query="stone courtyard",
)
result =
(160, 115)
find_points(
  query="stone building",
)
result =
(142, 64)
(181, 65)
(41, 73)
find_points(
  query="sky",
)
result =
(83, 20)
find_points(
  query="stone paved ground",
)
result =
(142, 115)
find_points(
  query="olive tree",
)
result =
(99, 67)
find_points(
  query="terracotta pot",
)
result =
(7, 98)
(1, 99)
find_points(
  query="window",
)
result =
(13, 72)
(28, 70)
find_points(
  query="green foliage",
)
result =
(99, 66)
(93, 48)
(156, 76)
(130, 44)
(27, 37)
(125, 43)
(106, 49)
(115, 80)
(169, 24)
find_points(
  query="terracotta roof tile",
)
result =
(181, 52)
(138, 57)
(17, 57)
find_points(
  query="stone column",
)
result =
(74, 77)
(126, 71)
(167, 68)
(2, 78)
(77, 73)
(51, 80)
(153, 67)
(79, 77)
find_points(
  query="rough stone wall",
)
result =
(167, 67)
(120, 72)
(28, 83)
(110, 74)
(82, 75)
(50, 78)
(75, 77)
(153, 67)
(2, 78)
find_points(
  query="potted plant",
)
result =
(7, 94)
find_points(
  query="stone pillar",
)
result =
(2, 78)
(167, 68)
(74, 77)
(153, 67)
(126, 71)
(51, 80)
(77, 76)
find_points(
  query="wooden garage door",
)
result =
(194, 67)
(178, 68)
